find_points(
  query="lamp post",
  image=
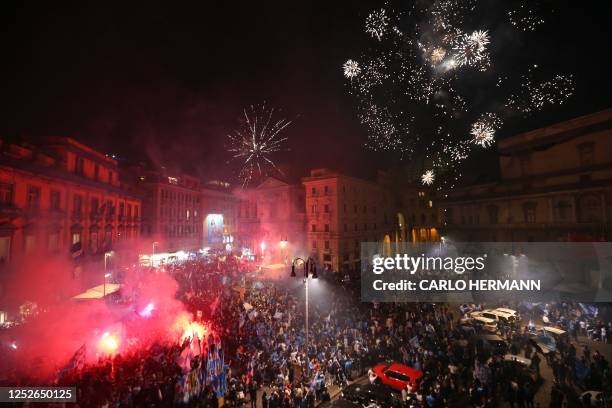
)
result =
(310, 272)
(106, 274)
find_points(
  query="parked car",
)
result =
(480, 323)
(397, 375)
(496, 315)
(364, 394)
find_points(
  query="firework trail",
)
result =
(255, 141)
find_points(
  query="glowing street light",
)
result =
(310, 272)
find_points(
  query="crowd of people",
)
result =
(271, 363)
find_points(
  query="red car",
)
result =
(397, 375)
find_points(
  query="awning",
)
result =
(98, 292)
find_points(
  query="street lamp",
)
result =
(310, 272)
(106, 274)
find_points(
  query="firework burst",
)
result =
(420, 85)
(471, 49)
(428, 178)
(377, 23)
(351, 69)
(483, 130)
(255, 141)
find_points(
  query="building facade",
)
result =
(343, 211)
(555, 185)
(172, 211)
(219, 209)
(271, 219)
(63, 197)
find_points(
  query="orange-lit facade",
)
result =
(343, 211)
(63, 197)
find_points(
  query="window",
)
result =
(397, 376)
(326, 208)
(76, 238)
(77, 204)
(493, 211)
(525, 161)
(345, 227)
(30, 243)
(122, 209)
(326, 227)
(564, 211)
(344, 207)
(96, 172)
(326, 189)
(589, 208)
(5, 249)
(313, 227)
(529, 212)
(54, 199)
(94, 206)
(326, 244)
(313, 208)
(356, 227)
(6, 193)
(79, 166)
(33, 198)
(314, 244)
(586, 154)
(313, 191)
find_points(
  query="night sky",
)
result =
(167, 82)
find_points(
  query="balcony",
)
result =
(77, 216)
(9, 211)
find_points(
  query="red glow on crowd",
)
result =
(109, 343)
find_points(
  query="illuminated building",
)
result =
(219, 208)
(171, 212)
(63, 197)
(273, 214)
(555, 185)
(343, 211)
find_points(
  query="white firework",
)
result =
(483, 130)
(351, 69)
(471, 48)
(437, 55)
(428, 178)
(254, 142)
(377, 23)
